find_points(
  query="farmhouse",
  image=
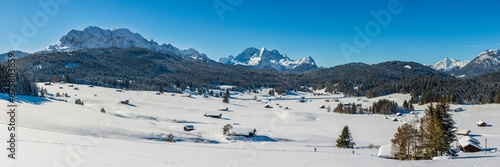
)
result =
(463, 132)
(469, 144)
(213, 115)
(242, 132)
(188, 128)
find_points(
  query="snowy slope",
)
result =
(95, 37)
(448, 64)
(18, 54)
(268, 59)
(488, 58)
(58, 133)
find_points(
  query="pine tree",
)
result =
(66, 78)
(411, 108)
(226, 97)
(437, 130)
(405, 105)
(497, 97)
(161, 89)
(345, 139)
(404, 143)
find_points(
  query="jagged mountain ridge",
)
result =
(94, 38)
(486, 62)
(270, 59)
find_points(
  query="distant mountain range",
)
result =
(97, 38)
(486, 62)
(270, 59)
(92, 38)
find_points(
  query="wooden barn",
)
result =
(223, 109)
(463, 132)
(481, 124)
(242, 132)
(469, 144)
(213, 115)
(188, 128)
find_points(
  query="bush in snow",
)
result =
(78, 101)
(170, 138)
(226, 129)
(102, 110)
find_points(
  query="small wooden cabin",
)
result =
(213, 115)
(188, 128)
(481, 124)
(463, 132)
(242, 132)
(469, 144)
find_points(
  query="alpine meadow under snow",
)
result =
(114, 98)
(54, 131)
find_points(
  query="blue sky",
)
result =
(423, 31)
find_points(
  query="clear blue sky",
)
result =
(424, 31)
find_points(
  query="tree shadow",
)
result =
(25, 99)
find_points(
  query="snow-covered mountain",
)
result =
(95, 37)
(18, 54)
(269, 59)
(448, 64)
(486, 62)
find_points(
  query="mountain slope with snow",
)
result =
(448, 64)
(95, 37)
(486, 62)
(269, 59)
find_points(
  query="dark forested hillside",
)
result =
(142, 69)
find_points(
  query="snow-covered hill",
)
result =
(448, 64)
(269, 59)
(18, 54)
(95, 37)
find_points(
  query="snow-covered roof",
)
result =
(467, 140)
(189, 127)
(463, 131)
(385, 151)
(242, 131)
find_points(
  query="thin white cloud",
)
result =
(474, 46)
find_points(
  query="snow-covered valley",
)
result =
(52, 132)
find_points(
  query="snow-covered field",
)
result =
(58, 133)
